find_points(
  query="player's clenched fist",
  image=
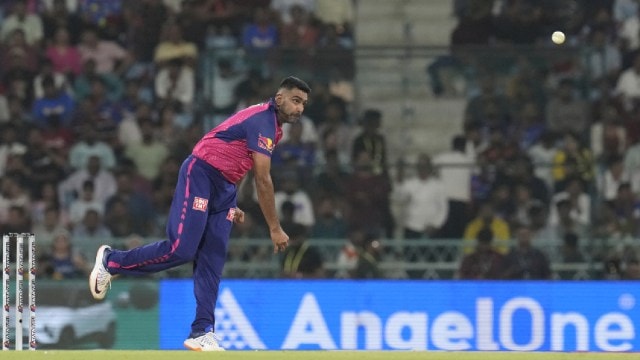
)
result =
(238, 216)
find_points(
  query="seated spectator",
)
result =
(628, 86)
(17, 220)
(486, 218)
(330, 223)
(372, 141)
(138, 206)
(10, 144)
(579, 203)
(566, 113)
(609, 180)
(65, 57)
(46, 70)
(484, 262)
(90, 232)
(332, 178)
(84, 81)
(259, 37)
(572, 160)
(175, 84)
(119, 219)
(225, 80)
(43, 164)
(86, 201)
(347, 259)
(294, 152)
(148, 155)
(282, 8)
(30, 24)
(301, 260)
(108, 55)
(46, 230)
(174, 47)
(54, 103)
(608, 136)
(290, 190)
(62, 14)
(525, 261)
(62, 261)
(570, 249)
(89, 146)
(541, 154)
(104, 183)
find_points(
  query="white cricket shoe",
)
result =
(100, 279)
(206, 342)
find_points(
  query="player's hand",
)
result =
(238, 216)
(280, 240)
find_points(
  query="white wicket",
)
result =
(19, 299)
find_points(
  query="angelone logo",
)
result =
(200, 204)
(233, 326)
(265, 143)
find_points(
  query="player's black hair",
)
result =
(292, 82)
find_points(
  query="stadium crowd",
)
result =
(100, 102)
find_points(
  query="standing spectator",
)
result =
(367, 196)
(301, 260)
(541, 154)
(336, 133)
(259, 38)
(628, 86)
(484, 262)
(524, 261)
(332, 178)
(425, 202)
(30, 24)
(372, 141)
(455, 168)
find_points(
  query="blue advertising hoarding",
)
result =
(411, 315)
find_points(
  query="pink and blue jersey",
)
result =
(230, 145)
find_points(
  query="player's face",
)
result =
(291, 104)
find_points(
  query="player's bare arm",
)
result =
(266, 199)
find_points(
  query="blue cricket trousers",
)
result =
(198, 230)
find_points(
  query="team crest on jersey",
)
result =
(200, 204)
(231, 214)
(265, 143)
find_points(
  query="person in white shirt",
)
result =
(455, 168)
(628, 86)
(425, 201)
(290, 191)
(30, 24)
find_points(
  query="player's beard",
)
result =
(289, 117)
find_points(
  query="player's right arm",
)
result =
(266, 199)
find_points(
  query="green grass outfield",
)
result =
(305, 355)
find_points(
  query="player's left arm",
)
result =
(238, 216)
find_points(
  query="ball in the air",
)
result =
(557, 37)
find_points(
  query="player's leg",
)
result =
(184, 229)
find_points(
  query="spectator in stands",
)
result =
(424, 199)
(119, 219)
(332, 177)
(174, 47)
(17, 221)
(579, 201)
(297, 38)
(65, 57)
(225, 81)
(455, 169)
(145, 20)
(46, 70)
(54, 103)
(103, 180)
(84, 81)
(525, 261)
(175, 84)
(330, 223)
(63, 261)
(372, 141)
(572, 160)
(138, 206)
(18, 56)
(43, 198)
(367, 210)
(605, 59)
(336, 133)
(150, 154)
(295, 154)
(301, 260)
(108, 55)
(59, 15)
(289, 190)
(611, 177)
(339, 13)
(90, 232)
(283, 8)
(46, 230)
(86, 201)
(10, 145)
(486, 218)
(42, 163)
(566, 113)
(565, 223)
(90, 146)
(520, 171)
(626, 213)
(542, 153)
(607, 133)
(628, 86)
(528, 126)
(259, 38)
(30, 24)
(484, 262)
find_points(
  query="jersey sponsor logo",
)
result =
(231, 214)
(265, 143)
(232, 325)
(200, 204)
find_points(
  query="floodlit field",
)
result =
(307, 355)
